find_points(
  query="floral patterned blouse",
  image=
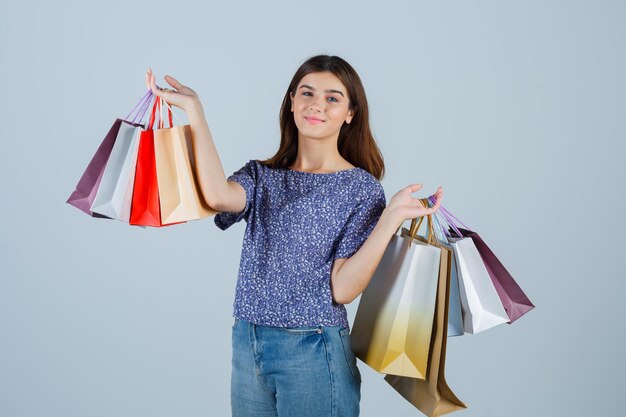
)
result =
(298, 223)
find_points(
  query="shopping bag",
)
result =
(455, 312)
(514, 300)
(114, 195)
(512, 297)
(432, 395)
(480, 303)
(86, 189)
(455, 317)
(180, 196)
(482, 308)
(145, 207)
(394, 320)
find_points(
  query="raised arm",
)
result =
(218, 193)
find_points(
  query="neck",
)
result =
(318, 155)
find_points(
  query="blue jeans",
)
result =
(293, 372)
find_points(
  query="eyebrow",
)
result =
(327, 91)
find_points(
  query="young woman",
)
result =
(317, 227)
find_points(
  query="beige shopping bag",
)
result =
(393, 324)
(179, 194)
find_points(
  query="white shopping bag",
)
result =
(115, 193)
(480, 303)
(455, 315)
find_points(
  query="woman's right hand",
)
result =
(402, 206)
(182, 97)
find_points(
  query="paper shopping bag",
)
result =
(394, 320)
(87, 188)
(432, 395)
(511, 296)
(145, 200)
(455, 317)
(145, 206)
(482, 308)
(514, 300)
(85, 193)
(115, 192)
(455, 311)
(180, 196)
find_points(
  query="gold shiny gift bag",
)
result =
(393, 324)
(432, 396)
(180, 197)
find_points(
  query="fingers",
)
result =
(159, 92)
(173, 82)
(413, 188)
(152, 84)
(429, 207)
(438, 194)
(434, 206)
(418, 186)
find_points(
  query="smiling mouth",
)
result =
(313, 119)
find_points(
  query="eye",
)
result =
(306, 92)
(334, 99)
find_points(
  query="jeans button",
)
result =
(319, 330)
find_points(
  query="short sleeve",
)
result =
(247, 177)
(361, 222)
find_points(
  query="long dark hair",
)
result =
(355, 143)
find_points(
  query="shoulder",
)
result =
(253, 168)
(259, 167)
(370, 187)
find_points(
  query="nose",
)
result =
(315, 105)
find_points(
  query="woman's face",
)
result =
(320, 105)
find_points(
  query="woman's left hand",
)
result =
(403, 206)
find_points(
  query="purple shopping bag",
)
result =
(514, 300)
(87, 187)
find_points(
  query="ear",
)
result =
(291, 97)
(349, 116)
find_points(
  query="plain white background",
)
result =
(515, 108)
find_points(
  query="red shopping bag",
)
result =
(145, 208)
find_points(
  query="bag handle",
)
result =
(153, 113)
(171, 112)
(413, 221)
(415, 225)
(158, 104)
(431, 235)
(143, 108)
(438, 222)
(449, 218)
